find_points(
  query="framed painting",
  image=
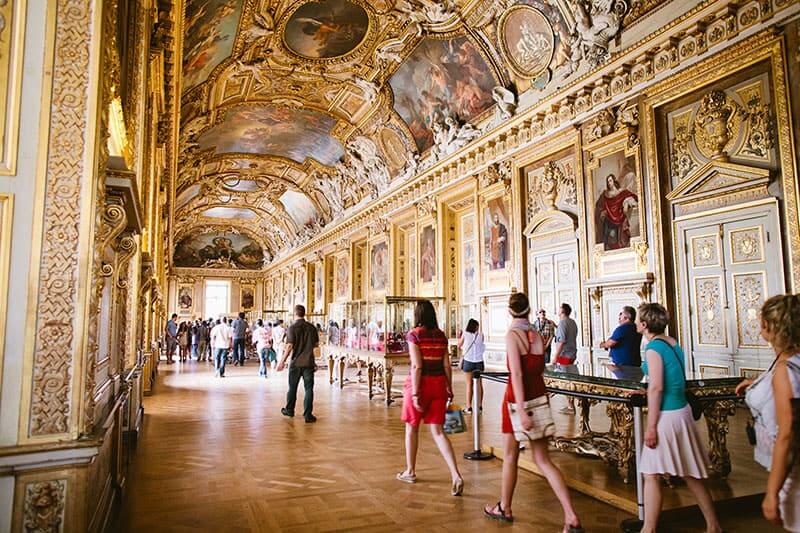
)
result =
(185, 298)
(247, 297)
(427, 254)
(412, 264)
(527, 40)
(497, 254)
(379, 266)
(342, 277)
(326, 29)
(469, 253)
(319, 287)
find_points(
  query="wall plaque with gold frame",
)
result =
(614, 202)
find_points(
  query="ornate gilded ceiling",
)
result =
(295, 111)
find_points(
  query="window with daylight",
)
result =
(218, 297)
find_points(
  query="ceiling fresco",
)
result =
(297, 112)
(326, 29)
(445, 77)
(296, 134)
(210, 30)
(222, 250)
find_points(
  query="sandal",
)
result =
(458, 487)
(406, 478)
(574, 529)
(497, 513)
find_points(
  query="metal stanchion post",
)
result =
(633, 525)
(476, 454)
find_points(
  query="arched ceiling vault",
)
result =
(294, 111)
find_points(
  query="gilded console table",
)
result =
(380, 368)
(617, 447)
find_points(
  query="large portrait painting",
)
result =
(319, 286)
(342, 277)
(297, 134)
(247, 297)
(615, 189)
(185, 298)
(331, 28)
(412, 265)
(427, 254)
(445, 77)
(527, 40)
(218, 250)
(379, 266)
(210, 31)
(496, 224)
(468, 255)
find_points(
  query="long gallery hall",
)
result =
(399, 265)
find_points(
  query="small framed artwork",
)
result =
(247, 297)
(185, 298)
(713, 371)
(319, 287)
(342, 277)
(750, 373)
(427, 254)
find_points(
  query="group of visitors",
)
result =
(673, 445)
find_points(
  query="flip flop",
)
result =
(499, 514)
(405, 478)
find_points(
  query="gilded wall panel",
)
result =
(12, 29)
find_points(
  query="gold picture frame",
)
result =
(544, 45)
(614, 190)
(342, 277)
(497, 248)
(247, 297)
(6, 225)
(12, 34)
(184, 299)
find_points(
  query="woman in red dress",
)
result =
(525, 360)
(428, 389)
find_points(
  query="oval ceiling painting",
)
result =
(527, 40)
(321, 30)
(218, 250)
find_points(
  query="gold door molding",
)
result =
(764, 46)
(12, 33)
(6, 222)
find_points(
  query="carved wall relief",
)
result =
(551, 184)
(44, 506)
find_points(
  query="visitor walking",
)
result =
(427, 390)
(471, 344)
(565, 350)
(672, 442)
(240, 328)
(625, 347)
(171, 337)
(278, 339)
(201, 332)
(262, 338)
(220, 342)
(184, 341)
(302, 341)
(547, 329)
(209, 326)
(525, 362)
(777, 423)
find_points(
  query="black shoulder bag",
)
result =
(694, 401)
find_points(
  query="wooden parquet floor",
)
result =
(216, 455)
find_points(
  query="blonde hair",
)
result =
(655, 316)
(780, 316)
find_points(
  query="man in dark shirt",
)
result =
(302, 341)
(625, 347)
(240, 328)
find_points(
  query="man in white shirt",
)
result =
(221, 343)
(278, 337)
(262, 338)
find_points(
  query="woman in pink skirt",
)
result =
(672, 441)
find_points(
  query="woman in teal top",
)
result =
(672, 441)
(673, 360)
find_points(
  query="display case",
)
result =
(399, 313)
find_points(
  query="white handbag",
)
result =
(539, 412)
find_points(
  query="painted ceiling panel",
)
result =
(326, 29)
(296, 134)
(449, 77)
(229, 212)
(210, 30)
(299, 207)
(186, 196)
(218, 250)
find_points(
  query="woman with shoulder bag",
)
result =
(672, 442)
(771, 398)
(526, 415)
(471, 345)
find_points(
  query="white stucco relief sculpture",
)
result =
(593, 25)
(506, 101)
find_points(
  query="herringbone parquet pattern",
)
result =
(216, 455)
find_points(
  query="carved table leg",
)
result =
(716, 414)
(585, 404)
(331, 364)
(370, 378)
(341, 372)
(621, 431)
(388, 374)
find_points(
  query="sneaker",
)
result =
(567, 410)
(467, 411)
(284, 412)
(310, 419)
